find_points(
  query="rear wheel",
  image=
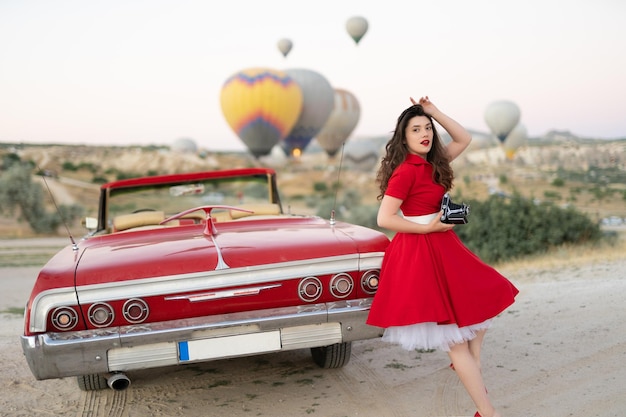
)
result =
(91, 382)
(333, 356)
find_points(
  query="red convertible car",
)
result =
(196, 267)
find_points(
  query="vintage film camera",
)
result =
(453, 213)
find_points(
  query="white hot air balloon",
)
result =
(284, 46)
(515, 140)
(341, 122)
(501, 117)
(317, 104)
(184, 145)
(356, 27)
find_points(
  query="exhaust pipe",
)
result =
(118, 381)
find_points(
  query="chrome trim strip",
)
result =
(370, 260)
(171, 284)
(216, 295)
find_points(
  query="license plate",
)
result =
(223, 347)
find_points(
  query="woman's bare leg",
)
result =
(475, 345)
(469, 373)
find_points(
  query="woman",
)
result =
(434, 293)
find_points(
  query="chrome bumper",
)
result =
(57, 355)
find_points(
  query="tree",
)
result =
(18, 193)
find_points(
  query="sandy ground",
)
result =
(559, 351)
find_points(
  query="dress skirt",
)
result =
(434, 292)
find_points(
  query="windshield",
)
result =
(174, 198)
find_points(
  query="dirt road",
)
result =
(557, 352)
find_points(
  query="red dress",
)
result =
(433, 278)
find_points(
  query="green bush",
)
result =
(98, 179)
(127, 175)
(553, 195)
(503, 228)
(19, 194)
(69, 166)
(320, 187)
(500, 228)
(558, 182)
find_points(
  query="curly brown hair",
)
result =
(396, 152)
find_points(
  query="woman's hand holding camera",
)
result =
(436, 225)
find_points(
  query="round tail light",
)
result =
(310, 289)
(135, 310)
(369, 281)
(101, 314)
(64, 318)
(341, 285)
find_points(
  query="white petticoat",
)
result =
(427, 336)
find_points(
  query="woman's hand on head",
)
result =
(425, 102)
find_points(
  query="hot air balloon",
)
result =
(184, 145)
(284, 46)
(317, 104)
(341, 122)
(365, 154)
(502, 117)
(515, 140)
(261, 105)
(356, 27)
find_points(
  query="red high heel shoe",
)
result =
(477, 414)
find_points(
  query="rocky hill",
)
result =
(590, 175)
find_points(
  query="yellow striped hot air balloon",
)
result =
(261, 105)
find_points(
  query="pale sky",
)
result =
(151, 71)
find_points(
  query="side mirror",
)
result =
(90, 223)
